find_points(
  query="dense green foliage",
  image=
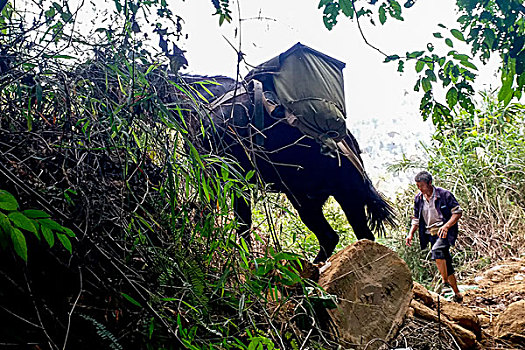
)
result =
(489, 27)
(99, 132)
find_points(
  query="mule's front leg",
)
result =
(311, 213)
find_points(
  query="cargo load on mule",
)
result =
(305, 86)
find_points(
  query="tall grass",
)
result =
(481, 159)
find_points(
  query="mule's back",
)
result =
(309, 84)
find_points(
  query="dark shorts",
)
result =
(440, 249)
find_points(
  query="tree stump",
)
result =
(374, 288)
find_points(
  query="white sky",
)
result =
(373, 88)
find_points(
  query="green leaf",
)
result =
(21, 221)
(66, 16)
(5, 224)
(401, 66)
(438, 35)
(7, 201)
(425, 83)
(449, 42)
(50, 13)
(431, 75)
(415, 54)
(391, 58)
(150, 68)
(469, 65)
(36, 214)
(457, 34)
(51, 224)
(65, 242)
(131, 300)
(68, 232)
(118, 5)
(151, 327)
(48, 235)
(420, 65)
(452, 97)
(19, 243)
(347, 8)
(382, 14)
(490, 37)
(416, 86)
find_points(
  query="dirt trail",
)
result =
(496, 288)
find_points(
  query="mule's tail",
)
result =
(379, 210)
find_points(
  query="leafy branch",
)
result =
(487, 26)
(14, 222)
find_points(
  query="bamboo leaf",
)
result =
(131, 300)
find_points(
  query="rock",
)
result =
(510, 324)
(373, 286)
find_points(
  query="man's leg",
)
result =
(444, 265)
(453, 283)
(451, 276)
(442, 268)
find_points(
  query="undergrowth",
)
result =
(100, 133)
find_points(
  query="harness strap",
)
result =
(227, 97)
(352, 157)
(258, 112)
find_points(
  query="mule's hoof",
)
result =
(320, 258)
(324, 267)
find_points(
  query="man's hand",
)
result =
(409, 238)
(443, 231)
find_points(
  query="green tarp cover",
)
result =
(310, 85)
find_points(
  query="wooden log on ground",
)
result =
(374, 289)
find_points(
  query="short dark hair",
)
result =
(423, 176)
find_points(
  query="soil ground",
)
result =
(493, 290)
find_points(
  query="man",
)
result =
(436, 216)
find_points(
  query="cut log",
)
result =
(465, 338)
(374, 288)
(454, 312)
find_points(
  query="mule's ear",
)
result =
(177, 59)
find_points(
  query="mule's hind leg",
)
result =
(311, 213)
(354, 210)
(243, 212)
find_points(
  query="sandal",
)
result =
(443, 288)
(457, 298)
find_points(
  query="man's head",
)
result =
(424, 182)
